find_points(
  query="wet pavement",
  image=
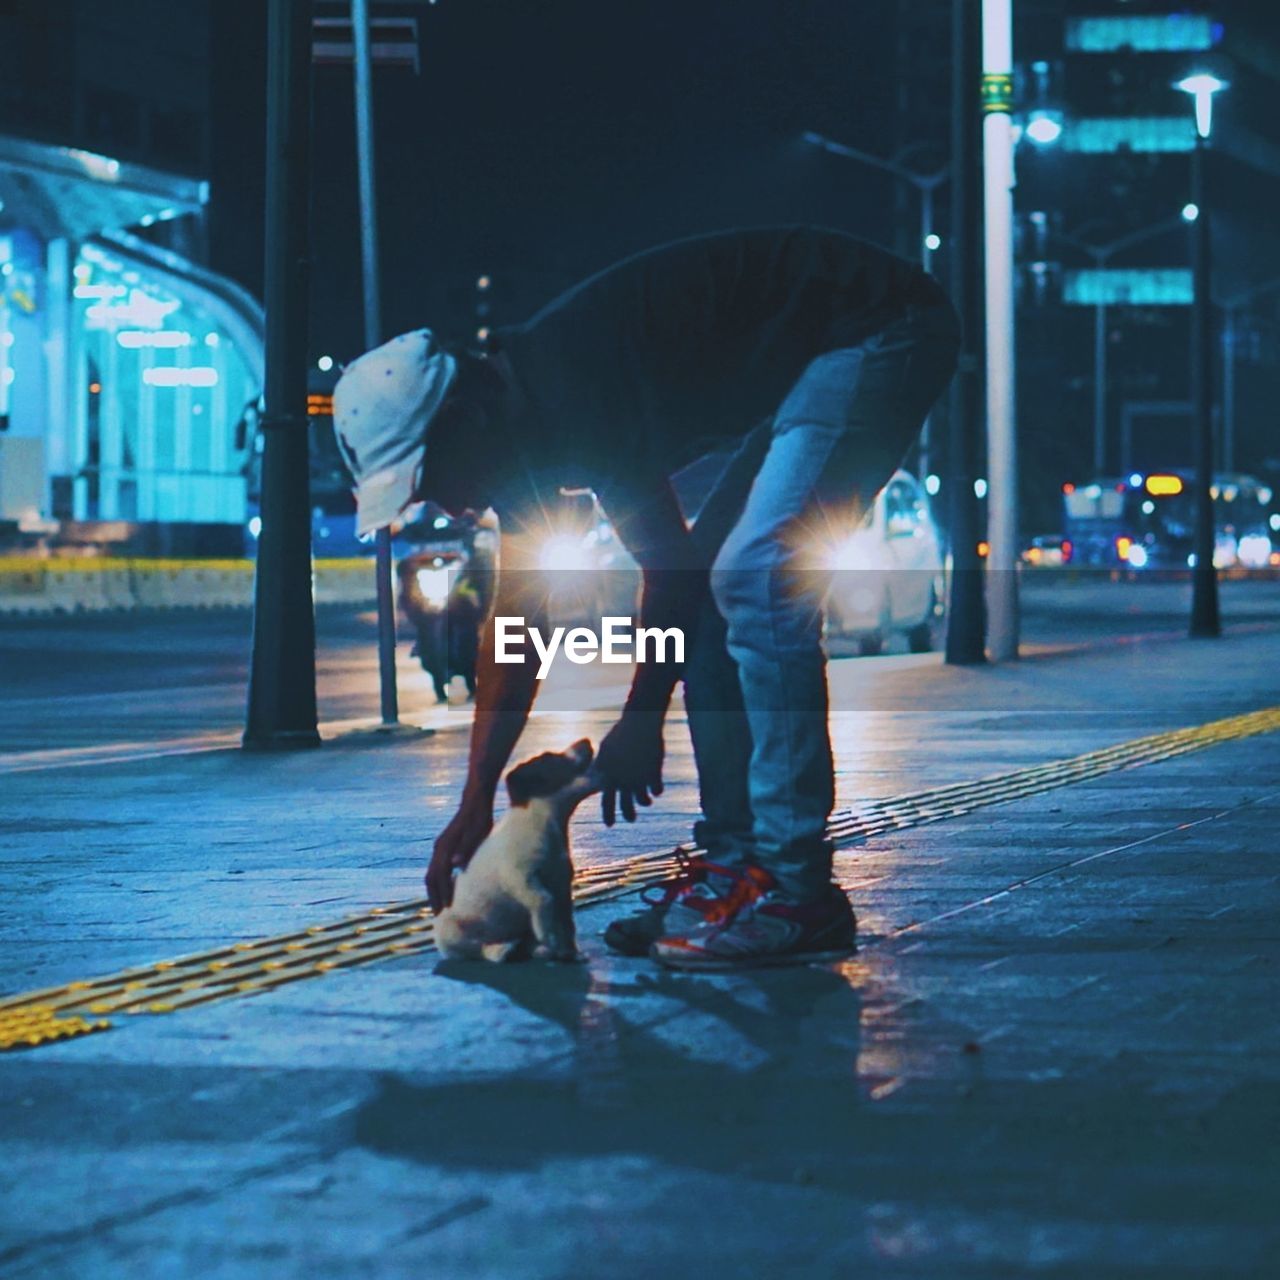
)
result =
(1055, 1053)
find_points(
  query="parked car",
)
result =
(888, 572)
(1049, 551)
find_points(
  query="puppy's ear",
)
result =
(542, 776)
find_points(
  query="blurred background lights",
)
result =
(1044, 128)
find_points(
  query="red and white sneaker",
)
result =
(672, 906)
(754, 926)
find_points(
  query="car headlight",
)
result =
(433, 585)
(847, 555)
(1254, 550)
(1137, 556)
(563, 551)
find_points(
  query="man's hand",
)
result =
(504, 694)
(454, 848)
(630, 764)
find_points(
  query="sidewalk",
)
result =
(1056, 1052)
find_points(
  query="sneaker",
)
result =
(755, 925)
(676, 905)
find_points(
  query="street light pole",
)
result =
(1229, 389)
(373, 335)
(926, 184)
(1101, 254)
(966, 622)
(1100, 389)
(926, 261)
(1205, 619)
(926, 228)
(1231, 308)
(1002, 458)
(282, 675)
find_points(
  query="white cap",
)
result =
(382, 409)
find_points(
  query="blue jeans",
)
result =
(755, 675)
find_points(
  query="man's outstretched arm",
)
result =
(504, 697)
(631, 755)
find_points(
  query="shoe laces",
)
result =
(751, 884)
(689, 871)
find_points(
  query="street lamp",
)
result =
(1205, 622)
(1202, 86)
(998, 139)
(1230, 308)
(926, 184)
(281, 713)
(1101, 255)
(1044, 128)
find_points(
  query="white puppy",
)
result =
(515, 896)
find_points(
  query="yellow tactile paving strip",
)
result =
(404, 928)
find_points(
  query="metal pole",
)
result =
(1229, 390)
(1002, 463)
(1100, 389)
(926, 261)
(926, 227)
(373, 336)
(965, 608)
(282, 675)
(1205, 621)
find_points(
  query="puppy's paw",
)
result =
(558, 955)
(501, 952)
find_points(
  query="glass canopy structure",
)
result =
(125, 368)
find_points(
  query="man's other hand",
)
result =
(629, 763)
(454, 848)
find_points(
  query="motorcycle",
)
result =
(446, 587)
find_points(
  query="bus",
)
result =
(1147, 521)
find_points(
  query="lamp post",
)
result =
(282, 676)
(1002, 457)
(966, 607)
(1231, 307)
(926, 184)
(389, 697)
(1101, 255)
(1205, 621)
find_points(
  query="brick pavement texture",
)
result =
(1056, 1053)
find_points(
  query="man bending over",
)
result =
(816, 357)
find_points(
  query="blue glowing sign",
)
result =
(1151, 287)
(1162, 33)
(1103, 135)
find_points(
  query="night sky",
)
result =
(542, 141)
